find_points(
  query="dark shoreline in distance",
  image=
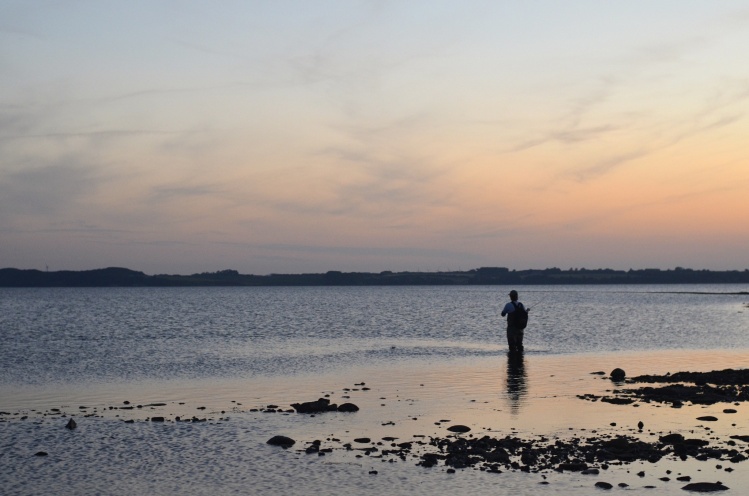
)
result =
(120, 277)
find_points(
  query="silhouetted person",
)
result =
(514, 328)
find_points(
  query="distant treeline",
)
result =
(119, 277)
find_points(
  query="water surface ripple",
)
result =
(123, 334)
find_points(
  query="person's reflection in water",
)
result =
(516, 387)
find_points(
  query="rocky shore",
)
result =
(452, 447)
(592, 454)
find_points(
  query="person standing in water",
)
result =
(517, 319)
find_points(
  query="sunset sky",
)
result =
(306, 136)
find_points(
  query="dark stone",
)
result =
(319, 406)
(459, 428)
(157, 419)
(603, 485)
(71, 424)
(705, 487)
(708, 418)
(41, 453)
(574, 466)
(282, 441)
(362, 440)
(348, 407)
(672, 439)
(618, 375)
(617, 401)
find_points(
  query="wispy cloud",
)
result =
(161, 194)
(607, 165)
(45, 190)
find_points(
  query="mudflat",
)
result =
(529, 423)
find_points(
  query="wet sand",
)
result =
(534, 398)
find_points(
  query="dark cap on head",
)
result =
(513, 293)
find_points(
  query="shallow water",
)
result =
(134, 334)
(227, 454)
(426, 355)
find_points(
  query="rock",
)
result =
(672, 439)
(603, 485)
(459, 428)
(730, 410)
(362, 440)
(573, 466)
(40, 453)
(705, 487)
(618, 375)
(71, 424)
(617, 401)
(348, 407)
(157, 419)
(430, 459)
(282, 441)
(319, 406)
(708, 418)
(590, 471)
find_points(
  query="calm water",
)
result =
(428, 353)
(126, 334)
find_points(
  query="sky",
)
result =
(305, 136)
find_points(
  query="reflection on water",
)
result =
(85, 335)
(515, 381)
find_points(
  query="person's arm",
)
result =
(505, 310)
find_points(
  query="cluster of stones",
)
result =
(510, 453)
(323, 405)
(699, 388)
(587, 456)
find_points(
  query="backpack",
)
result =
(519, 318)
